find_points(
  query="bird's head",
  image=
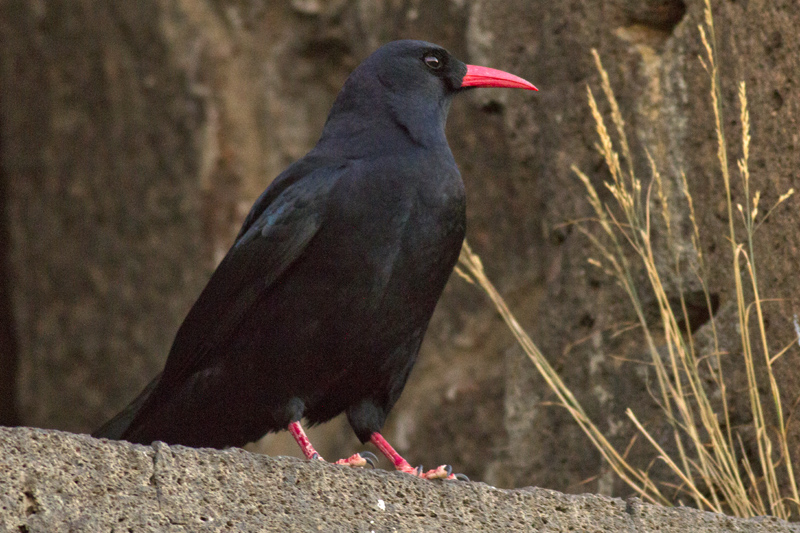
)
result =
(410, 84)
(428, 70)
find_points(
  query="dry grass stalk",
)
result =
(471, 269)
(711, 461)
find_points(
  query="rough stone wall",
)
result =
(134, 137)
(100, 158)
(650, 50)
(63, 482)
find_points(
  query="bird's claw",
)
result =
(444, 472)
(450, 475)
(370, 458)
(440, 472)
(358, 460)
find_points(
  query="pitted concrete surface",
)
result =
(52, 481)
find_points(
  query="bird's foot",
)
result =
(401, 465)
(440, 472)
(359, 460)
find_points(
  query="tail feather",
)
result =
(115, 428)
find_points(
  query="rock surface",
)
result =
(53, 481)
(134, 136)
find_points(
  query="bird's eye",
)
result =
(433, 62)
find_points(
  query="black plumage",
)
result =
(321, 304)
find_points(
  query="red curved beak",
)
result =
(489, 77)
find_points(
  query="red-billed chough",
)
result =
(321, 304)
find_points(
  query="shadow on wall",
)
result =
(8, 341)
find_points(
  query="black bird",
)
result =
(321, 304)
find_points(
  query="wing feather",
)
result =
(277, 231)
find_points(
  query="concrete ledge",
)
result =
(52, 481)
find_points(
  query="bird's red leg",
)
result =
(302, 440)
(308, 449)
(442, 472)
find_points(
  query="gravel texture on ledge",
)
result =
(52, 481)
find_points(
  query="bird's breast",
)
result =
(404, 221)
(368, 281)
